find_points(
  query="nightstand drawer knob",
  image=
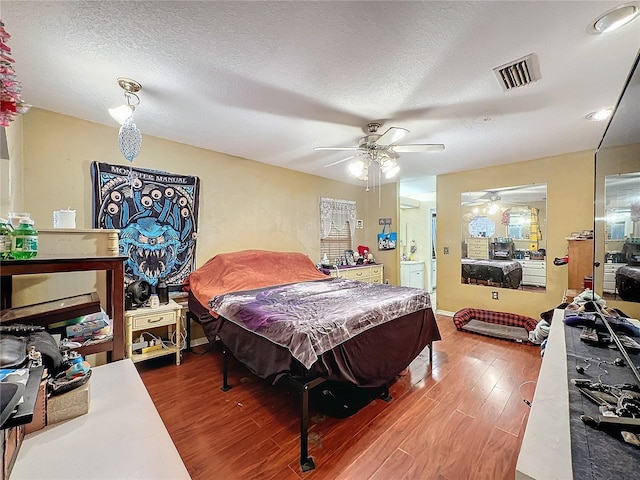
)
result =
(154, 320)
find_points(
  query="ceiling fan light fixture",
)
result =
(380, 150)
(356, 168)
(615, 18)
(392, 172)
(389, 167)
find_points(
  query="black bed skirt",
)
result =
(370, 359)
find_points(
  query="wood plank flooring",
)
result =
(462, 418)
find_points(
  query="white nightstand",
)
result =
(146, 318)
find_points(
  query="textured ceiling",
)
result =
(269, 81)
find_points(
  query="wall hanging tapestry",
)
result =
(157, 215)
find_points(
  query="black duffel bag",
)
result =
(15, 345)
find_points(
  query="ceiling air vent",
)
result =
(518, 73)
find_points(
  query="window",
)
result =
(519, 225)
(337, 227)
(515, 231)
(336, 243)
(616, 230)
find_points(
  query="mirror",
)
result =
(617, 203)
(504, 237)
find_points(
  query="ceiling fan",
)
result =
(379, 147)
(504, 196)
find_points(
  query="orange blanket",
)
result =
(249, 269)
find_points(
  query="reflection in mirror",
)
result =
(622, 237)
(504, 237)
(617, 202)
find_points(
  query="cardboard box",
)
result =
(68, 405)
(40, 412)
(11, 442)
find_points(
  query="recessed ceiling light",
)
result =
(614, 18)
(599, 115)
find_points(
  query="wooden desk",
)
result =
(122, 436)
(580, 262)
(114, 268)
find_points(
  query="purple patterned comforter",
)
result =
(310, 318)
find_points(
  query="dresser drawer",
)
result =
(533, 265)
(538, 281)
(613, 267)
(478, 248)
(478, 255)
(609, 286)
(158, 319)
(377, 270)
(356, 273)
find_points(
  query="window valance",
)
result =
(337, 213)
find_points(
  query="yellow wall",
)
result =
(569, 180)
(243, 204)
(246, 204)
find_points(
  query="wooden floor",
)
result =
(462, 418)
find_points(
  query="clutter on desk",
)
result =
(88, 327)
(607, 374)
(34, 368)
(581, 235)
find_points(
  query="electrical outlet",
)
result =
(494, 295)
(446, 250)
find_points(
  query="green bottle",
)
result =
(24, 240)
(5, 239)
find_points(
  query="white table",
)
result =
(545, 453)
(122, 436)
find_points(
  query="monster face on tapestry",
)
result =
(157, 215)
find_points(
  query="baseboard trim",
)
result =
(445, 313)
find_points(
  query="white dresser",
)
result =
(610, 269)
(364, 273)
(412, 274)
(478, 248)
(534, 272)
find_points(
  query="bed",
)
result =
(628, 283)
(283, 318)
(504, 273)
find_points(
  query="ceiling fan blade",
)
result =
(392, 135)
(340, 161)
(418, 147)
(337, 148)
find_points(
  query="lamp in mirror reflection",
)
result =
(129, 136)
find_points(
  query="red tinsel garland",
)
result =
(11, 102)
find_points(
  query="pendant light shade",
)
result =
(129, 140)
